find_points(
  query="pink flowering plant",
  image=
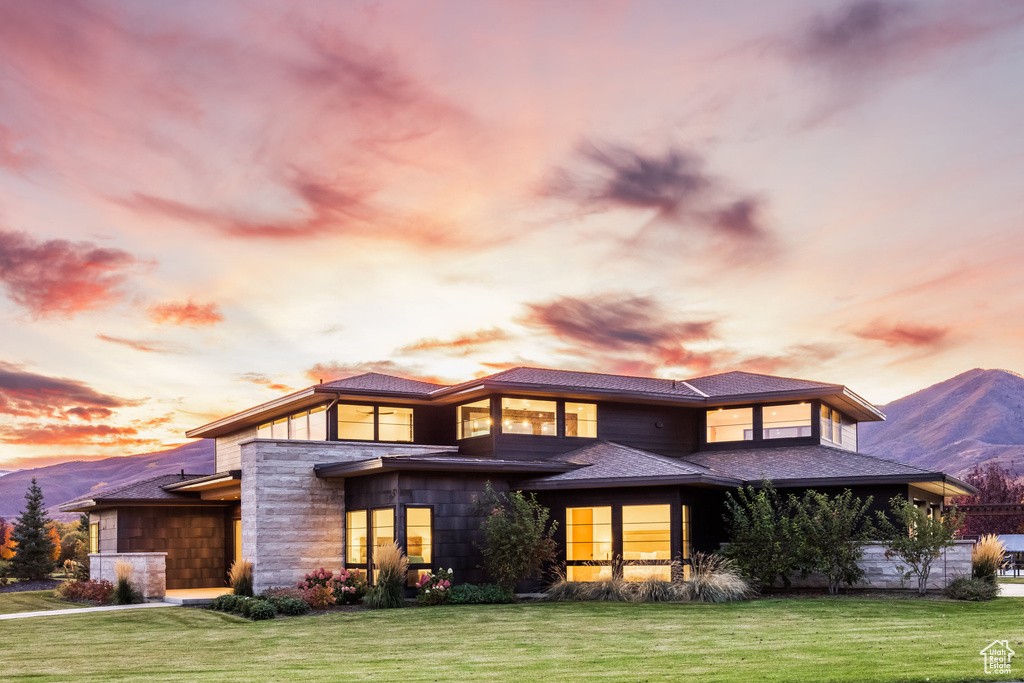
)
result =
(435, 587)
(349, 587)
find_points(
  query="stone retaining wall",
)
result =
(292, 522)
(149, 575)
(883, 573)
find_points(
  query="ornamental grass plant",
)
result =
(125, 592)
(987, 557)
(240, 577)
(391, 568)
(714, 579)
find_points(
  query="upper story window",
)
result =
(473, 419)
(831, 424)
(528, 416)
(309, 425)
(369, 423)
(786, 421)
(730, 424)
(581, 420)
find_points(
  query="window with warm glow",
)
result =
(318, 424)
(730, 424)
(640, 572)
(473, 419)
(279, 429)
(264, 431)
(236, 530)
(305, 426)
(646, 533)
(418, 535)
(94, 537)
(382, 532)
(588, 533)
(300, 426)
(783, 422)
(355, 423)
(394, 424)
(528, 416)
(588, 572)
(355, 537)
(581, 420)
(831, 424)
(687, 549)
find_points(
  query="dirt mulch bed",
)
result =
(21, 586)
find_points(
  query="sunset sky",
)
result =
(206, 204)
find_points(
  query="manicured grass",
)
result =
(32, 601)
(812, 639)
(1010, 579)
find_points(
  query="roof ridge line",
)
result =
(683, 381)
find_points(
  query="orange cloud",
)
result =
(146, 345)
(905, 335)
(186, 314)
(464, 344)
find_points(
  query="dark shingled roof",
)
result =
(607, 461)
(375, 381)
(733, 383)
(568, 379)
(802, 463)
(147, 489)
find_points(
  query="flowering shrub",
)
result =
(95, 592)
(434, 589)
(319, 597)
(349, 587)
(321, 577)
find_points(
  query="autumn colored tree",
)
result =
(7, 544)
(34, 557)
(995, 485)
(54, 537)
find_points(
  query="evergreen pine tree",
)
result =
(34, 557)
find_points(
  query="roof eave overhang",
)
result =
(256, 414)
(620, 482)
(104, 503)
(945, 484)
(407, 463)
(213, 481)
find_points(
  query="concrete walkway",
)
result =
(84, 610)
(1011, 590)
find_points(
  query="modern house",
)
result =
(633, 469)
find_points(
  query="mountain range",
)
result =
(69, 480)
(952, 426)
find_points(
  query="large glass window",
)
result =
(304, 426)
(382, 532)
(419, 535)
(318, 424)
(300, 426)
(528, 416)
(646, 535)
(94, 537)
(581, 420)
(279, 429)
(730, 424)
(473, 419)
(355, 423)
(394, 424)
(831, 424)
(264, 431)
(783, 422)
(588, 535)
(355, 537)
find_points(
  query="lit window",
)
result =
(528, 416)
(783, 422)
(660, 572)
(418, 535)
(395, 424)
(588, 533)
(687, 549)
(581, 420)
(730, 424)
(473, 419)
(645, 532)
(236, 530)
(831, 424)
(279, 429)
(588, 572)
(300, 427)
(355, 423)
(382, 531)
(264, 431)
(318, 424)
(94, 537)
(355, 537)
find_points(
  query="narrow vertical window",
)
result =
(837, 427)
(94, 537)
(300, 426)
(646, 542)
(473, 419)
(588, 535)
(419, 535)
(236, 528)
(581, 420)
(318, 424)
(382, 532)
(687, 550)
(355, 537)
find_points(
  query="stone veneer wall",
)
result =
(150, 575)
(292, 522)
(882, 573)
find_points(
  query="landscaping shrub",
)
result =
(485, 594)
(656, 590)
(5, 568)
(714, 579)
(607, 590)
(319, 597)
(561, 590)
(259, 609)
(291, 607)
(831, 534)
(434, 589)
(240, 577)
(764, 541)
(392, 567)
(973, 589)
(349, 587)
(917, 539)
(517, 538)
(125, 593)
(987, 556)
(229, 602)
(95, 592)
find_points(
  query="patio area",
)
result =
(194, 596)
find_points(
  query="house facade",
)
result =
(634, 470)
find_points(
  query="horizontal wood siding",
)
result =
(849, 435)
(638, 426)
(193, 538)
(229, 455)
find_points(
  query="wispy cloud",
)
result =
(28, 394)
(62, 278)
(905, 334)
(462, 344)
(144, 345)
(186, 313)
(333, 370)
(263, 380)
(64, 434)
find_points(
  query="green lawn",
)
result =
(1010, 579)
(813, 639)
(32, 601)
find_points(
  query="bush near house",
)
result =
(256, 608)
(484, 594)
(435, 588)
(517, 537)
(764, 538)
(240, 577)
(93, 592)
(973, 589)
(392, 568)
(831, 534)
(987, 556)
(916, 539)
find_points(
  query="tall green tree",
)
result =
(917, 539)
(833, 533)
(34, 558)
(517, 537)
(764, 538)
